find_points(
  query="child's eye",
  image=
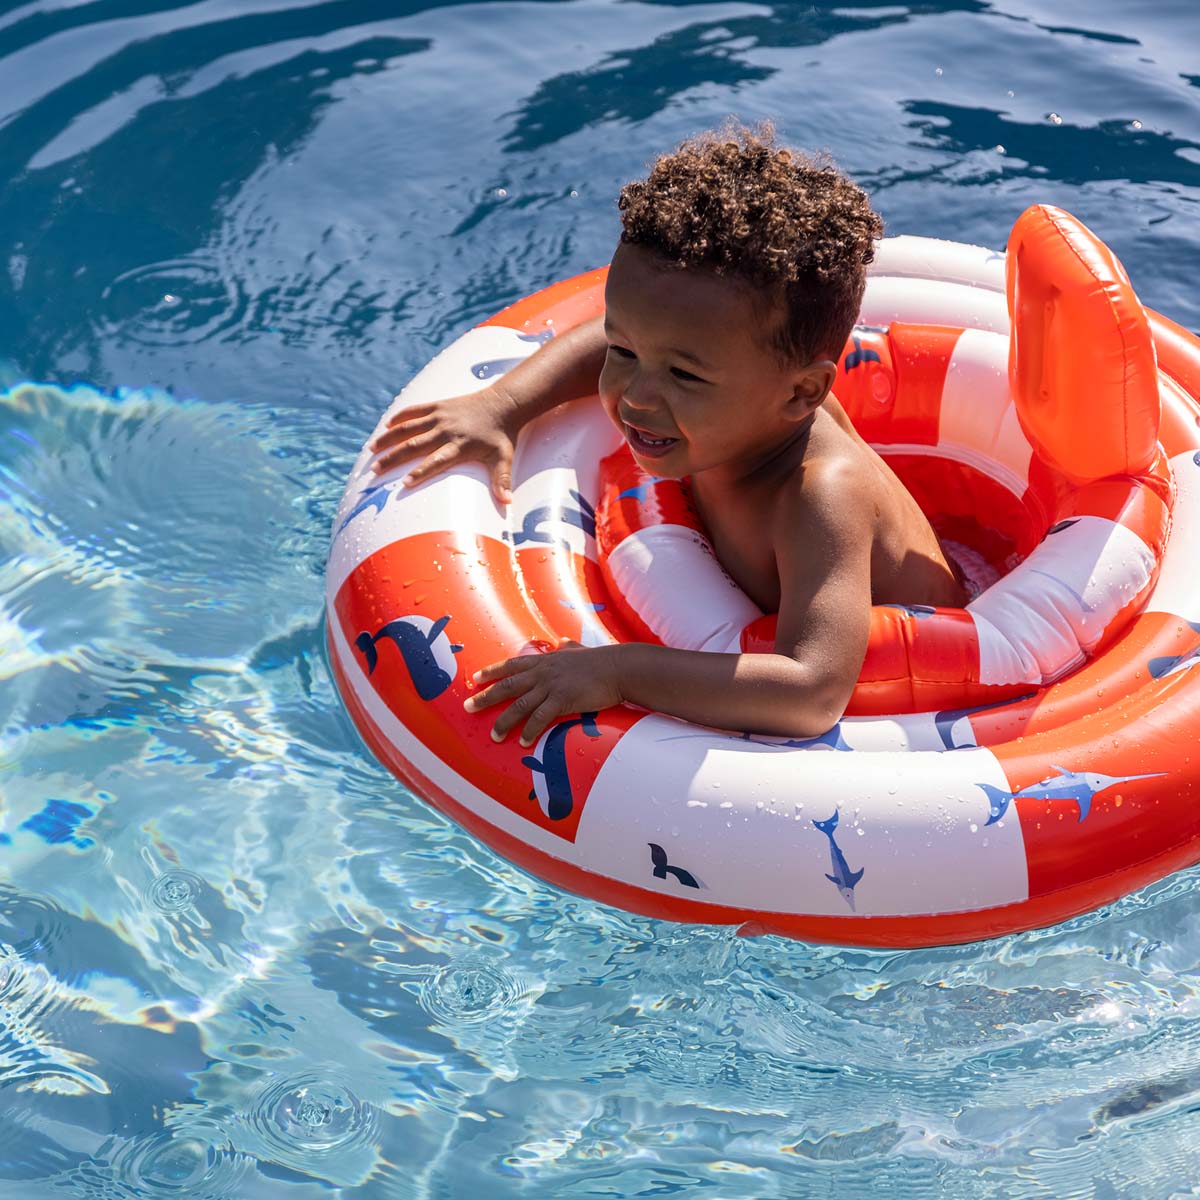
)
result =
(687, 376)
(622, 352)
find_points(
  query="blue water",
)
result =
(236, 958)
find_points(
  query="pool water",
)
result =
(236, 958)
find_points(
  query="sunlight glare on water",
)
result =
(237, 959)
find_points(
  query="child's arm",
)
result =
(483, 426)
(823, 551)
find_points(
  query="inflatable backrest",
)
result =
(1081, 359)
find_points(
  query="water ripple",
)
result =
(179, 302)
(469, 992)
(306, 1117)
(193, 1159)
(175, 890)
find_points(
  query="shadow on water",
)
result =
(1109, 150)
(633, 85)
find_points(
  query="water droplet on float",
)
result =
(999, 149)
(1054, 118)
(1135, 124)
(938, 71)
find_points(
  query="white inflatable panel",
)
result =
(931, 258)
(740, 818)
(702, 609)
(1175, 590)
(926, 301)
(1056, 605)
(978, 413)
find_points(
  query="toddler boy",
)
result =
(738, 277)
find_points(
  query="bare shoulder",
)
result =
(835, 489)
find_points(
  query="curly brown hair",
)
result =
(792, 227)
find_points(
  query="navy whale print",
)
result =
(1170, 663)
(555, 795)
(531, 524)
(374, 497)
(946, 720)
(858, 355)
(658, 856)
(843, 878)
(1079, 786)
(416, 648)
(498, 366)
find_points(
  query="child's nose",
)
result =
(640, 393)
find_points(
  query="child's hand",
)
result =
(480, 427)
(539, 688)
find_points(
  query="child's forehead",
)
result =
(637, 272)
(645, 287)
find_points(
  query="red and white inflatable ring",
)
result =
(1015, 763)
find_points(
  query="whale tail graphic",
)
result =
(860, 355)
(829, 824)
(419, 649)
(658, 856)
(365, 644)
(998, 801)
(585, 508)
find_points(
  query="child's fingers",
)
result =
(502, 478)
(519, 710)
(506, 667)
(540, 720)
(411, 412)
(438, 461)
(402, 431)
(395, 456)
(500, 687)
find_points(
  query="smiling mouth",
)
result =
(647, 444)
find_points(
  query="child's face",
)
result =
(689, 378)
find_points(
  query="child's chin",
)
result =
(666, 466)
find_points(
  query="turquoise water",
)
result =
(238, 960)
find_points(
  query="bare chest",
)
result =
(739, 530)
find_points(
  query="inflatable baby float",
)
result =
(1002, 766)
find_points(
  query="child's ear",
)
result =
(810, 388)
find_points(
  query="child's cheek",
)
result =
(610, 392)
